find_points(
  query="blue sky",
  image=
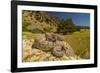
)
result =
(81, 19)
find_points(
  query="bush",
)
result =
(66, 26)
(36, 31)
(47, 28)
(24, 26)
(63, 31)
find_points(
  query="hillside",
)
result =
(38, 20)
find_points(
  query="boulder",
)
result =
(58, 51)
(49, 37)
(48, 46)
(53, 43)
(53, 37)
(38, 42)
(58, 37)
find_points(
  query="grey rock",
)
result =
(37, 43)
(47, 46)
(53, 43)
(49, 37)
(58, 51)
(69, 50)
(58, 37)
(53, 37)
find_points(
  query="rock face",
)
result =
(53, 43)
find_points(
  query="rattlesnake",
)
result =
(53, 43)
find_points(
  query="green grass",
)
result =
(80, 42)
(28, 35)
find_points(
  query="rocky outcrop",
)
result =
(54, 43)
(37, 55)
(43, 48)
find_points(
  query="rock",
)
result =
(26, 54)
(54, 43)
(27, 44)
(49, 37)
(38, 43)
(64, 57)
(43, 45)
(58, 37)
(69, 50)
(59, 48)
(39, 55)
(53, 37)
(58, 51)
(52, 58)
(47, 46)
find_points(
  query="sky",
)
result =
(80, 19)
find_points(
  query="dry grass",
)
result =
(80, 42)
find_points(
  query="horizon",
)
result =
(79, 19)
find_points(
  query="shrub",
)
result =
(66, 26)
(36, 30)
(47, 28)
(24, 26)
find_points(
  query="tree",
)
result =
(66, 26)
(69, 21)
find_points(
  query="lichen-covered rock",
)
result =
(27, 44)
(69, 50)
(58, 51)
(49, 37)
(48, 46)
(38, 42)
(58, 37)
(43, 45)
(37, 55)
(53, 37)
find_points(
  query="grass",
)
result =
(80, 42)
(27, 35)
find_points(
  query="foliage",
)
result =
(66, 26)
(24, 26)
(47, 28)
(36, 30)
(78, 28)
